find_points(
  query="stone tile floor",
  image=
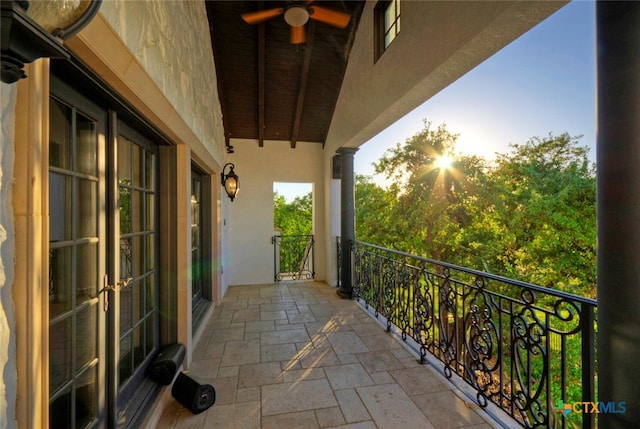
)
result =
(295, 355)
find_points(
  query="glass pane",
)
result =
(124, 203)
(150, 213)
(137, 257)
(195, 210)
(195, 238)
(388, 38)
(137, 289)
(126, 303)
(59, 135)
(59, 354)
(86, 208)
(60, 197)
(86, 398)
(124, 161)
(138, 345)
(86, 146)
(389, 16)
(126, 359)
(126, 262)
(60, 411)
(151, 243)
(151, 295)
(137, 212)
(137, 164)
(150, 335)
(60, 263)
(150, 171)
(196, 273)
(86, 267)
(86, 328)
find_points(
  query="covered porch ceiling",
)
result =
(269, 88)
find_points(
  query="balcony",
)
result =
(423, 344)
(293, 354)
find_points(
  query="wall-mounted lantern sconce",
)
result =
(230, 181)
(36, 29)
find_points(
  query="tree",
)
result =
(546, 198)
(294, 218)
(529, 216)
(374, 213)
(430, 197)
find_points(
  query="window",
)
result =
(387, 24)
(201, 274)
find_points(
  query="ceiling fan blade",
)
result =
(334, 17)
(261, 15)
(298, 35)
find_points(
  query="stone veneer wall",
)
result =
(172, 42)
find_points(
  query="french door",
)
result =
(137, 319)
(103, 261)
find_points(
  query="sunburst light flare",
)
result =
(444, 162)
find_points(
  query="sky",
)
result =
(292, 190)
(541, 83)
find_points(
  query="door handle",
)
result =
(125, 282)
(106, 287)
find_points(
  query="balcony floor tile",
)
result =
(295, 355)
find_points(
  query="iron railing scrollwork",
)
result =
(293, 257)
(522, 347)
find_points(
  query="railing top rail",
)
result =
(541, 289)
(294, 235)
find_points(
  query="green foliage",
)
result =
(530, 215)
(546, 193)
(374, 212)
(293, 218)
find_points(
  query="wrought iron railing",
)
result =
(293, 257)
(526, 349)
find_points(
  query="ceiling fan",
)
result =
(297, 15)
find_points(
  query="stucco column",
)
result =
(618, 152)
(347, 219)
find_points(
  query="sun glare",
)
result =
(444, 162)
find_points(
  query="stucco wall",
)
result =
(8, 377)
(171, 41)
(438, 43)
(249, 219)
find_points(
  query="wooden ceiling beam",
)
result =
(262, 43)
(302, 87)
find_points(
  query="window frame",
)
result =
(200, 306)
(379, 27)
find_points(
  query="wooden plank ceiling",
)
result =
(271, 89)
